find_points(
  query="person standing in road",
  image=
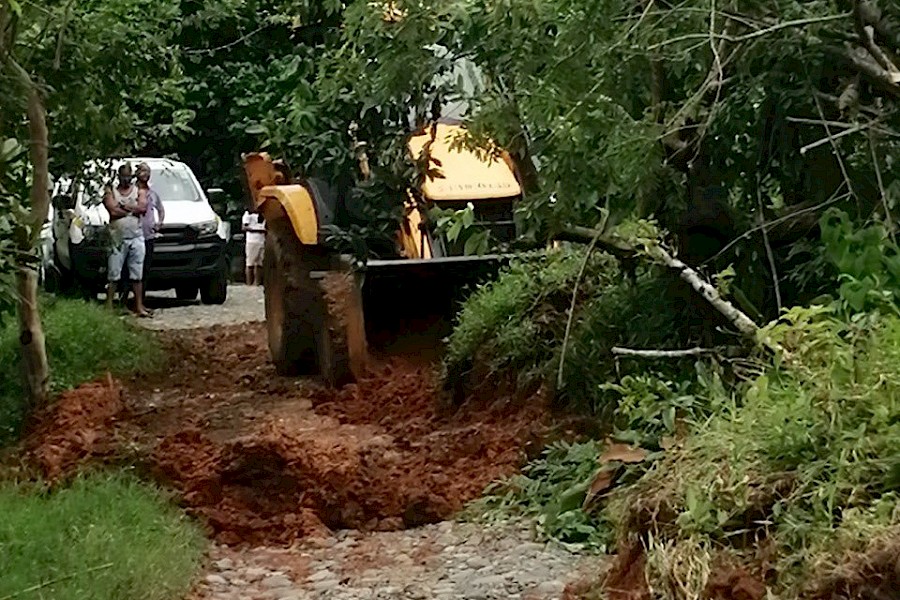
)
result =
(254, 245)
(152, 219)
(126, 204)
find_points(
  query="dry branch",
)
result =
(860, 60)
(662, 353)
(618, 246)
(55, 580)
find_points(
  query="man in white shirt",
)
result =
(254, 246)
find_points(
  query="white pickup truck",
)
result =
(190, 248)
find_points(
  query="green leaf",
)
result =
(455, 230)
(477, 243)
(256, 129)
(468, 215)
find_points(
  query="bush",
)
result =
(83, 341)
(550, 490)
(104, 537)
(806, 456)
(514, 327)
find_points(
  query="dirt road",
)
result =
(309, 492)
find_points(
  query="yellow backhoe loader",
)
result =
(325, 316)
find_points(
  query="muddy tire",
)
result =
(310, 330)
(340, 342)
(290, 299)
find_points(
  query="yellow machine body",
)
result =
(269, 187)
(465, 174)
(318, 324)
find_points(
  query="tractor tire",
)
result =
(340, 340)
(305, 337)
(289, 294)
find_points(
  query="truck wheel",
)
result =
(312, 326)
(215, 288)
(186, 292)
(290, 299)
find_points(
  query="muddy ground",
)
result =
(284, 471)
(265, 459)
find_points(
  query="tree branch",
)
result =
(859, 60)
(616, 245)
(662, 353)
(866, 33)
(587, 256)
(749, 36)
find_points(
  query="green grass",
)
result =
(804, 454)
(83, 342)
(104, 537)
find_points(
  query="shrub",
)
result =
(807, 457)
(104, 537)
(801, 457)
(83, 341)
(514, 327)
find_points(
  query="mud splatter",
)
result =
(75, 427)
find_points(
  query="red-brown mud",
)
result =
(76, 427)
(266, 459)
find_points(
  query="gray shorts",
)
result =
(130, 253)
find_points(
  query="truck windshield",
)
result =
(174, 185)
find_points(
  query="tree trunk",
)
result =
(35, 368)
(31, 333)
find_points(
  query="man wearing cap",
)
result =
(152, 219)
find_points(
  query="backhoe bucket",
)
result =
(409, 306)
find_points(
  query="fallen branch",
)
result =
(741, 321)
(616, 245)
(587, 256)
(860, 60)
(662, 353)
(829, 139)
(866, 33)
(889, 224)
(55, 580)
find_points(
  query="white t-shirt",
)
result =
(256, 228)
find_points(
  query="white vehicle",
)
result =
(190, 248)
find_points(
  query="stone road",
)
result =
(447, 561)
(243, 305)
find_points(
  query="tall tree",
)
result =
(71, 73)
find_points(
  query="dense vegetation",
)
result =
(757, 138)
(783, 464)
(735, 124)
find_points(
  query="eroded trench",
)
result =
(263, 459)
